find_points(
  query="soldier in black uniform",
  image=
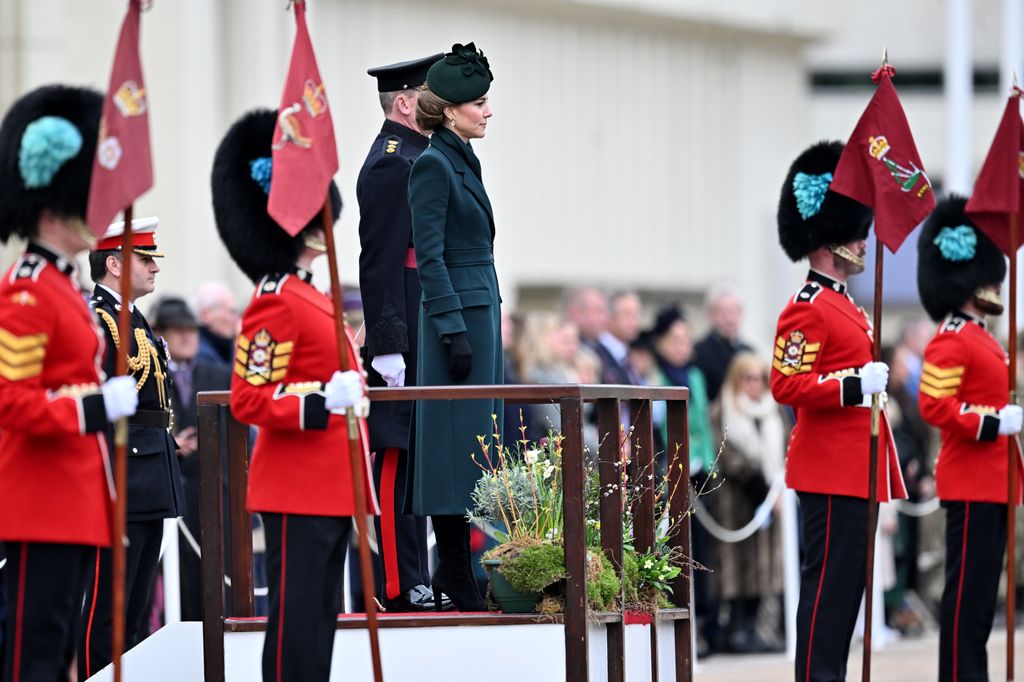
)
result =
(390, 289)
(154, 477)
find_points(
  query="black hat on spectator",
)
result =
(403, 75)
(810, 214)
(242, 173)
(47, 147)
(955, 259)
(664, 320)
(173, 312)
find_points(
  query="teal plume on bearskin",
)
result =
(954, 259)
(47, 145)
(810, 214)
(240, 179)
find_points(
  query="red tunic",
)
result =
(285, 353)
(964, 383)
(823, 340)
(54, 475)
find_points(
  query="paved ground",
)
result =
(908, 660)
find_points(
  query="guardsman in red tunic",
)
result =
(963, 392)
(287, 383)
(55, 485)
(823, 368)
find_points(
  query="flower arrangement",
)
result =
(520, 496)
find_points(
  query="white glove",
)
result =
(345, 389)
(874, 377)
(119, 397)
(391, 367)
(1010, 420)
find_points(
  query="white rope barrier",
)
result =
(917, 509)
(761, 514)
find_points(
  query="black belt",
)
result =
(158, 419)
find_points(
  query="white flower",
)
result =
(648, 563)
(531, 456)
(549, 469)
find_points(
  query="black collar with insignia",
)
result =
(303, 274)
(970, 318)
(826, 281)
(63, 264)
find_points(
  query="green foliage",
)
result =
(603, 588)
(534, 568)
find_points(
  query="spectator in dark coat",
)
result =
(219, 320)
(715, 351)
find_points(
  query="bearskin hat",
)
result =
(954, 259)
(241, 185)
(47, 146)
(810, 214)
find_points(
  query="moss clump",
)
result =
(602, 583)
(534, 568)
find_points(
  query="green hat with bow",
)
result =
(462, 75)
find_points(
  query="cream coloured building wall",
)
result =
(636, 143)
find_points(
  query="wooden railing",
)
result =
(214, 418)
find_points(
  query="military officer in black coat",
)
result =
(154, 479)
(390, 289)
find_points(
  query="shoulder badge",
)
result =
(271, 284)
(262, 359)
(29, 266)
(794, 355)
(808, 293)
(392, 145)
(952, 325)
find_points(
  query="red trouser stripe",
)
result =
(19, 614)
(388, 540)
(821, 583)
(960, 590)
(92, 612)
(280, 618)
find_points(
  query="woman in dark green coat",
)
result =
(460, 321)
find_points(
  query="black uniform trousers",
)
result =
(305, 572)
(44, 584)
(975, 542)
(142, 556)
(401, 561)
(832, 578)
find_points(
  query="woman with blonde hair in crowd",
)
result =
(754, 433)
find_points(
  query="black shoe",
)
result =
(464, 595)
(416, 599)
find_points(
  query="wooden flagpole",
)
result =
(355, 449)
(876, 409)
(124, 330)
(1011, 469)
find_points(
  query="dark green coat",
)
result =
(453, 230)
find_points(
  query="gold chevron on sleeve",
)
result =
(940, 382)
(794, 355)
(21, 357)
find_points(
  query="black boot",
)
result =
(454, 574)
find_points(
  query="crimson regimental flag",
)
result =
(305, 155)
(123, 168)
(880, 166)
(997, 191)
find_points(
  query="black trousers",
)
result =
(975, 542)
(44, 584)
(142, 556)
(305, 571)
(401, 561)
(831, 584)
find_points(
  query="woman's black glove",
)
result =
(460, 356)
